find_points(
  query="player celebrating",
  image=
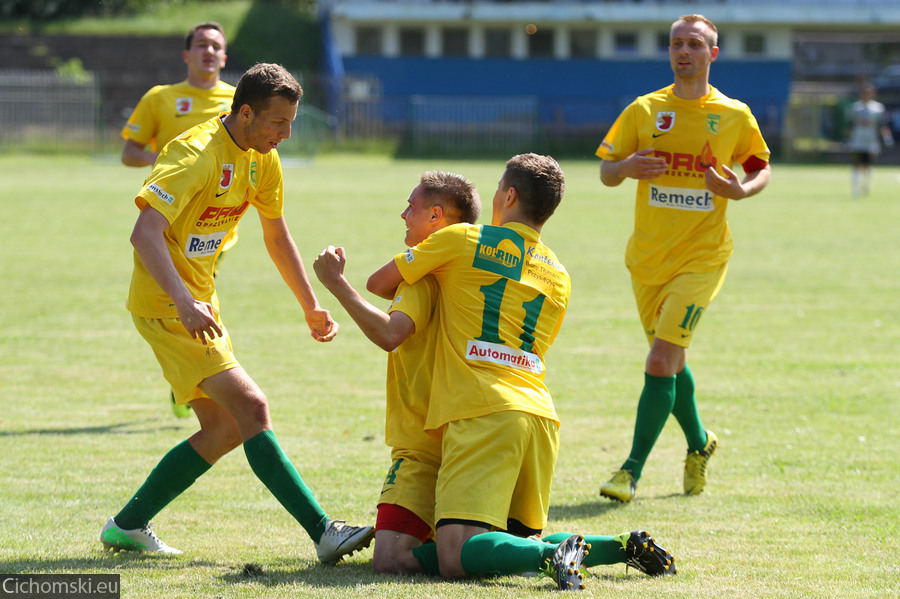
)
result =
(679, 143)
(502, 297)
(406, 505)
(409, 333)
(201, 185)
(168, 110)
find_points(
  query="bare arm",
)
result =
(284, 253)
(387, 331)
(133, 154)
(385, 280)
(147, 239)
(640, 165)
(732, 188)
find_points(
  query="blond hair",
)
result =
(712, 37)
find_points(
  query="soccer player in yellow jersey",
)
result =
(407, 504)
(502, 297)
(409, 331)
(201, 185)
(168, 110)
(680, 143)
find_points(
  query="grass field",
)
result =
(795, 364)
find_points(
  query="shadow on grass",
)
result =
(588, 509)
(360, 574)
(102, 561)
(137, 427)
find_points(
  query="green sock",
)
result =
(426, 555)
(494, 553)
(605, 550)
(654, 408)
(177, 471)
(275, 470)
(685, 410)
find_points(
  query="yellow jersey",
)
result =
(202, 183)
(166, 111)
(410, 370)
(680, 226)
(503, 296)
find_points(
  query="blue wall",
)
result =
(572, 92)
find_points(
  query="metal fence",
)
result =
(472, 126)
(47, 110)
(50, 111)
(42, 110)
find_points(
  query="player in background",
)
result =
(166, 111)
(680, 143)
(409, 332)
(867, 129)
(200, 186)
(502, 296)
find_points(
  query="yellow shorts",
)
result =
(185, 361)
(410, 483)
(672, 311)
(497, 467)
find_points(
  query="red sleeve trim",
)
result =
(754, 164)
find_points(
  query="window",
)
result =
(582, 43)
(456, 42)
(368, 41)
(497, 43)
(754, 44)
(626, 42)
(412, 42)
(662, 42)
(540, 43)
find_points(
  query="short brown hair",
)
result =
(262, 82)
(712, 39)
(455, 194)
(189, 39)
(539, 182)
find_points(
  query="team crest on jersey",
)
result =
(227, 175)
(183, 105)
(665, 120)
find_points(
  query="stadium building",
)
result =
(474, 74)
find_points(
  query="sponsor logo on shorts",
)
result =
(496, 353)
(199, 246)
(162, 194)
(679, 198)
